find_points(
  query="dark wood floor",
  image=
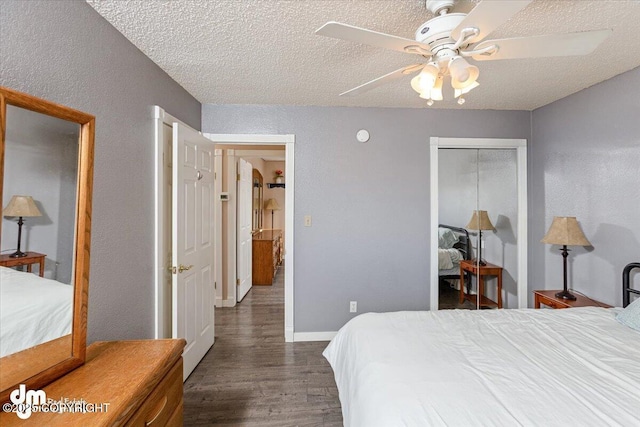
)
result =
(251, 377)
(449, 298)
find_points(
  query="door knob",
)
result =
(184, 268)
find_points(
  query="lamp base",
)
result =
(18, 254)
(566, 295)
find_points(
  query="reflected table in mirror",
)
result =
(29, 260)
(480, 271)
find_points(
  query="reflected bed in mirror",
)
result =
(46, 168)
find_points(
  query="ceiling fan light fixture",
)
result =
(425, 81)
(460, 92)
(436, 92)
(463, 74)
(430, 102)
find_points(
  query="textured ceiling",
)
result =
(266, 52)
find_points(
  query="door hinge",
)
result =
(238, 282)
(238, 178)
(215, 175)
(215, 285)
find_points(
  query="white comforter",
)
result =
(33, 310)
(572, 367)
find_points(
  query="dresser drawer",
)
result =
(176, 417)
(160, 406)
(551, 303)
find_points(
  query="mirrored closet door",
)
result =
(477, 231)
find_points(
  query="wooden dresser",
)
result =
(141, 381)
(267, 256)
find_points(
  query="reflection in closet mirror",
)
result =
(46, 152)
(258, 195)
(478, 197)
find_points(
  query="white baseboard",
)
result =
(225, 302)
(288, 334)
(313, 336)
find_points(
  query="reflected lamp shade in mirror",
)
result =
(480, 221)
(21, 206)
(565, 231)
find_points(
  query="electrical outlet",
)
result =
(307, 220)
(353, 307)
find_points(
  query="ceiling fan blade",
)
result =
(487, 16)
(373, 38)
(387, 78)
(570, 44)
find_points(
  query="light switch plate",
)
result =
(307, 220)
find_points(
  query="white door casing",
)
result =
(244, 227)
(193, 256)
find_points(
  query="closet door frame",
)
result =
(520, 145)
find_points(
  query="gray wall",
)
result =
(370, 202)
(585, 162)
(65, 52)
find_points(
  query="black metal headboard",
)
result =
(626, 286)
(467, 241)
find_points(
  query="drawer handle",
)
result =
(155, 417)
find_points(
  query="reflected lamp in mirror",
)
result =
(272, 205)
(21, 206)
(565, 231)
(480, 221)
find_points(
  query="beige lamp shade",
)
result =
(272, 205)
(480, 221)
(21, 206)
(565, 230)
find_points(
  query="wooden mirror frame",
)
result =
(41, 364)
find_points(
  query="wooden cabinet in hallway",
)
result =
(267, 256)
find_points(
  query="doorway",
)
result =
(478, 158)
(241, 142)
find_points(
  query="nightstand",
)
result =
(29, 260)
(481, 271)
(549, 299)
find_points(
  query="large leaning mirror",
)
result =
(258, 186)
(46, 169)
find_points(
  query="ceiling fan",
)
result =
(448, 38)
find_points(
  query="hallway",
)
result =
(251, 377)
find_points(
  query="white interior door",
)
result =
(244, 228)
(193, 293)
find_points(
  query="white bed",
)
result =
(573, 367)
(33, 310)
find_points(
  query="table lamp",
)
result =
(480, 221)
(565, 231)
(21, 206)
(272, 205)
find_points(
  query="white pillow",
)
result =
(630, 316)
(446, 238)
